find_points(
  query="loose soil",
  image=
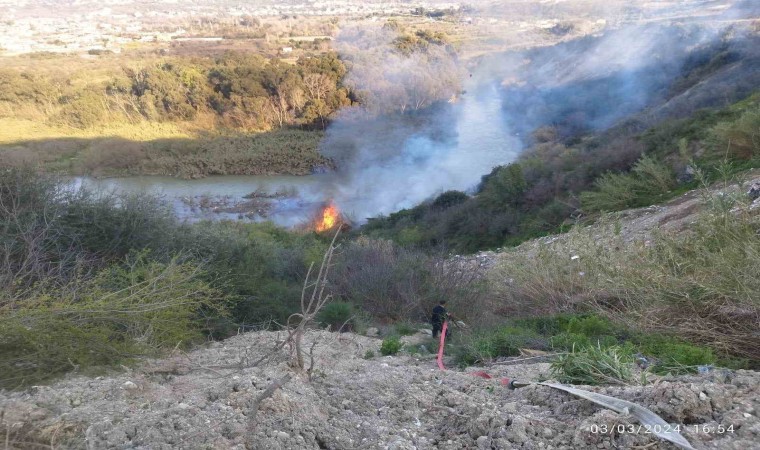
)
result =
(204, 400)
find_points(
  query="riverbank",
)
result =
(152, 148)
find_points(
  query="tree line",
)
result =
(235, 90)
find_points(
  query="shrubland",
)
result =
(686, 298)
(91, 280)
(117, 276)
(233, 90)
(177, 116)
(191, 116)
(554, 184)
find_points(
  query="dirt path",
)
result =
(399, 402)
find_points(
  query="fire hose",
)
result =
(442, 344)
(647, 418)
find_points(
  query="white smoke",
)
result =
(389, 161)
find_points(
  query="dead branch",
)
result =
(314, 290)
(268, 392)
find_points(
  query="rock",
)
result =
(483, 442)
(686, 175)
(372, 332)
(129, 386)
(754, 191)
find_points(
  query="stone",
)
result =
(754, 191)
(372, 332)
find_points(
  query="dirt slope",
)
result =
(400, 402)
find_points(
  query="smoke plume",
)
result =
(429, 124)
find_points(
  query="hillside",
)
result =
(576, 183)
(351, 398)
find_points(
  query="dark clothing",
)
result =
(439, 316)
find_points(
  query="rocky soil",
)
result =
(204, 400)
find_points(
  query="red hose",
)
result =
(442, 344)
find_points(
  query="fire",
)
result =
(330, 218)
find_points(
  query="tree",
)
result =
(503, 187)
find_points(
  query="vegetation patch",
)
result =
(135, 308)
(489, 344)
(391, 345)
(594, 365)
(699, 285)
(339, 316)
(559, 179)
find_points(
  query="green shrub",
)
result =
(594, 365)
(337, 315)
(391, 345)
(489, 344)
(592, 325)
(674, 355)
(369, 354)
(404, 329)
(52, 233)
(569, 341)
(738, 138)
(644, 185)
(547, 325)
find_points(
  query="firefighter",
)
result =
(440, 315)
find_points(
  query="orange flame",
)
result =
(330, 217)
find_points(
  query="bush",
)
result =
(65, 251)
(53, 233)
(594, 365)
(739, 138)
(548, 325)
(391, 345)
(569, 341)
(135, 308)
(592, 325)
(84, 111)
(404, 329)
(337, 315)
(644, 185)
(673, 355)
(396, 283)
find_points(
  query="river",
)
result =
(296, 199)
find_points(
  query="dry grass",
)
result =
(15, 131)
(154, 148)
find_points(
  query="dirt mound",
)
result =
(204, 399)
